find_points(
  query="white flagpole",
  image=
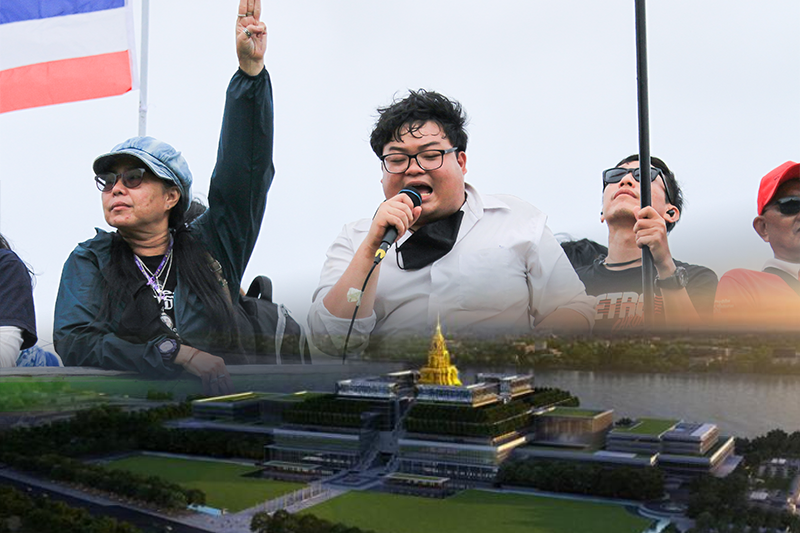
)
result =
(143, 76)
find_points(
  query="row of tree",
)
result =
(455, 427)
(149, 489)
(589, 479)
(487, 414)
(776, 443)
(102, 429)
(108, 429)
(283, 522)
(638, 353)
(545, 396)
(21, 513)
(327, 410)
(720, 505)
(464, 420)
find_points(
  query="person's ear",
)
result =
(760, 225)
(173, 197)
(672, 214)
(462, 161)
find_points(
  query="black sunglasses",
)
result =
(615, 175)
(788, 206)
(130, 179)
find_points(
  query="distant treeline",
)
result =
(109, 429)
(21, 513)
(746, 353)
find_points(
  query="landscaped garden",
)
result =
(226, 485)
(477, 511)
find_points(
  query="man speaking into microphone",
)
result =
(481, 265)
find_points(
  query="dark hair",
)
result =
(196, 208)
(4, 245)
(583, 252)
(674, 193)
(192, 261)
(412, 112)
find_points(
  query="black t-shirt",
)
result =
(141, 321)
(16, 297)
(620, 304)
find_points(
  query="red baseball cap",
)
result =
(770, 183)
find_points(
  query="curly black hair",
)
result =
(412, 112)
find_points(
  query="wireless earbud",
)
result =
(671, 212)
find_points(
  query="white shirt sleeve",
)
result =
(328, 332)
(10, 343)
(554, 283)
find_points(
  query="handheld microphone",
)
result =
(391, 232)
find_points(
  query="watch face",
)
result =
(683, 276)
(167, 346)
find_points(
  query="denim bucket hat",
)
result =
(162, 159)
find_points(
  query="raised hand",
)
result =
(251, 37)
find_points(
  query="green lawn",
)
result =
(573, 411)
(21, 394)
(649, 426)
(223, 483)
(476, 512)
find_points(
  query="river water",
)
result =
(743, 405)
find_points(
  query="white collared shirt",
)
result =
(790, 268)
(505, 273)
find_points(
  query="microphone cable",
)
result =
(388, 240)
(355, 311)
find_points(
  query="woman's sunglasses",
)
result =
(130, 179)
(788, 206)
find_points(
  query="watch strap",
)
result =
(678, 280)
(168, 348)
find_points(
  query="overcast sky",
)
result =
(550, 88)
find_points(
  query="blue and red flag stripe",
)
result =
(57, 51)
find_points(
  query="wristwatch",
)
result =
(676, 281)
(168, 348)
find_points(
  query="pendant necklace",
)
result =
(159, 287)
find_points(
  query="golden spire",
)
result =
(439, 371)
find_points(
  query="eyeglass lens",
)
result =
(130, 179)
(427, 160)
(615, 175)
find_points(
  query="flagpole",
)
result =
(648, 270)
(143, 75)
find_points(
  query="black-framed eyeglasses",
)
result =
(615, 175)
(130, 179)
(395, 163)
(788, 206)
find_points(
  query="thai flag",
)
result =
(56, 51)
